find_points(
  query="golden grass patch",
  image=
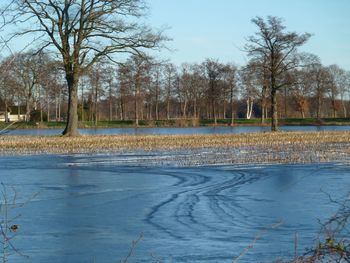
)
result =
(264, 147)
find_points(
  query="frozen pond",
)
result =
(195, 130)
(89, 208)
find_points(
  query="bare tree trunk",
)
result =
(263, 104)
(96, 101)
(122, 111)
(56, 109)
(149, 114)
(59, 108)
(142, 108)
(249, 108)
(41, 106)
(110, 110)
(27, 111)
(208, 112)
(195, 108)
(157, 110)
(72, 115)
(263, 117)
(214, 113)
(319, 103)
(136, 113)
(344, 108)
(6, 112)
(274, 123)
(232, 108)
(48, 109)
(136, 107)
(168, 109)
(18, 112)
(117, 111)
(334, 108)
(184, 115)
(82, 103)
(224, 110)
(232, 114)
(110, 100)
(285, 102)
(110, 106)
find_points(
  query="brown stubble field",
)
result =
(277, 147)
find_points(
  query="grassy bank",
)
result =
(181, 123)
(282, 147)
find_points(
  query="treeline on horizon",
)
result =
(277, 82)
(144, 88)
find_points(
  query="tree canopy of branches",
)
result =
(83, 43)
(134, 75)
(277, 52)
(214, 71)
(83, 32)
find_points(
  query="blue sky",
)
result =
(203, 29)
(217, 29)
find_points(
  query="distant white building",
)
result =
(11, 116)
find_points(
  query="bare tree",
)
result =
(155, 88)
(170, 76)
(277, 49)
(250, 80)
(7, 86)
(184, 87)
(83, 84)
(124, 89)
(335, 82)
(192, 85)
(300, 90)
(49, 76)
(110, 78)
(320, 82)
(96, 78)
(338, 88)
(303, 81)
(198, 85)
(258, 73)
(27, 68)
(83, 32)
(347, 83)
(135, 75)
(230, 79)
(214, 71)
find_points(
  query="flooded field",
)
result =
(89, 208)
(170, 131)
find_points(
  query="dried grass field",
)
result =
(280, 147)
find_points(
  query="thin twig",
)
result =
(156, 258)
(132, 249)
(257, 237)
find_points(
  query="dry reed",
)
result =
(281, 147)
